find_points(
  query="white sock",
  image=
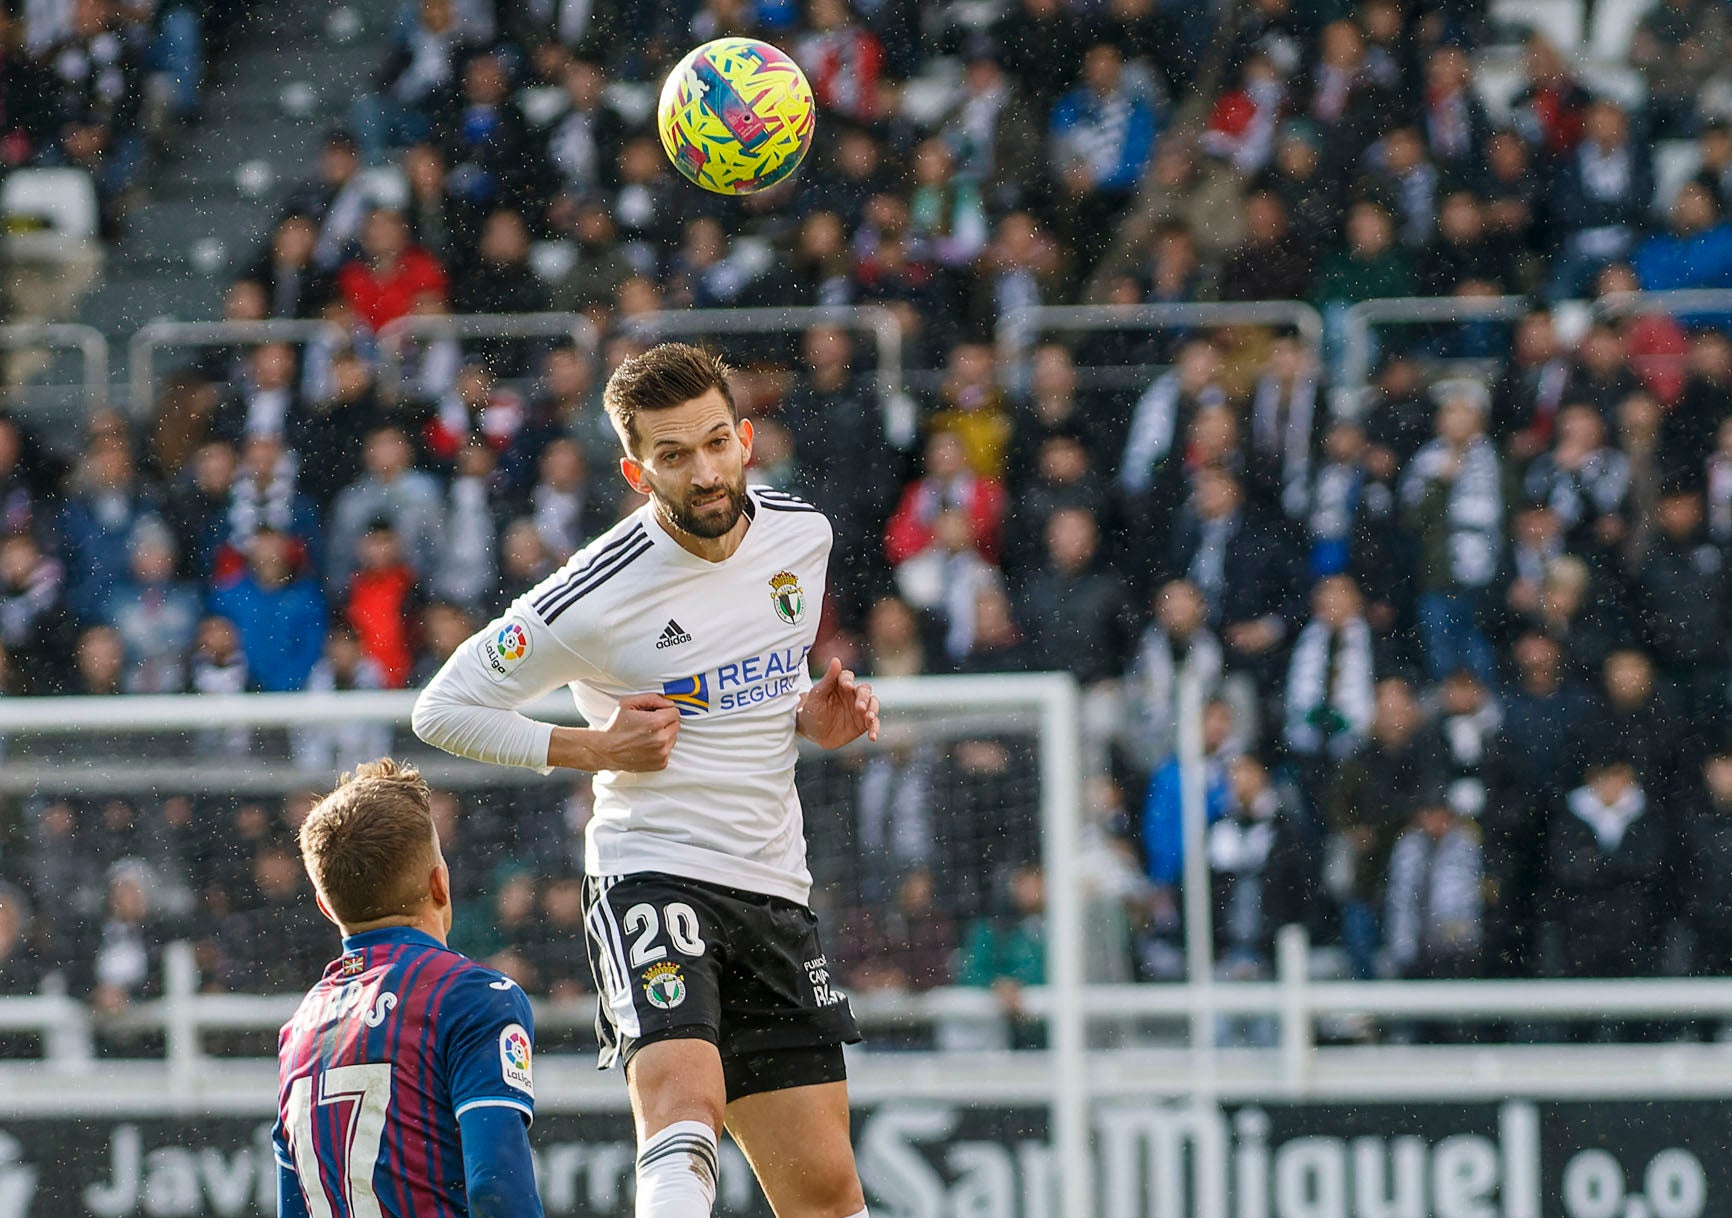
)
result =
(861, 1214)
(676, 1172)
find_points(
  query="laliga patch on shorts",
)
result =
(665, 986)
(507, 648)
(514, 1053)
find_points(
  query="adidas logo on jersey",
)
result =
(672, 636)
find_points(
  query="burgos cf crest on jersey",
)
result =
(788, 597)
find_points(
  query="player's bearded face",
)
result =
(709, 509)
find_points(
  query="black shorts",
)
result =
(674, 958)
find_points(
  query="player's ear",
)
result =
(632, 471)
(439, 885)
(325, 909)
(744, 430)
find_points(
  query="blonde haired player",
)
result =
(685, 631)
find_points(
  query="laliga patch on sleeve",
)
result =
(514, 1052)
(505, 650)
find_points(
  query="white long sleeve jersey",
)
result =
(727, 642)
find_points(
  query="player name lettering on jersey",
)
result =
(345, 1002)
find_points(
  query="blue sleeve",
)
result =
(498, 1173)
(1163, 829)
(1139, 140)
(291, 1202)
(488, 1046)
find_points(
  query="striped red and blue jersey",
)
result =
(400, 1037)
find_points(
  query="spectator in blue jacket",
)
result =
(96, 525)
(279, 614)
(1163, 813)
(1102, 136)
(1697, 250)
(155, 614)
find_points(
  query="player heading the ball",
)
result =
(685, 631)
(404, 1078)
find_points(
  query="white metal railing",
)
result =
(141, 350)
(86, 340)
(1017, 329)
(184, 1016)
(1359, 320)
(575, 326)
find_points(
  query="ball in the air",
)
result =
(736, 116)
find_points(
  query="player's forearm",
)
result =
(578, 748)
(496, 735)
(498, 1172)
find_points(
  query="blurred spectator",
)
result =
(1550, 110)
(123, 964)
(338, 747)
(335, 199)
(267, 495)
(154, 615)
(1706, 831)
(273, 947)
(391, 489)
(381, 285)
(1606, 856)
(1274, 263)
(1077, 610)
(289, 273)
(1454, 121)
(1243, 575)
(468, 567)
(98, 82)
(1007, 952)
(973, 408)
(905, 947)
(995, 641)
(1363, 806)
(493, 158)
(379, 604)
(421, 65)
(277, 612)
(1694, 252)
(842, 58)
(1262, 876)
(35, 624)
(1330, 683)
(1631, 720)
(98, 663)
(992, 132)
(895, 642)
(1102, 137)
(1434, 914)
(1455, 499)
(948, 485)
(105, 505)
(21, 968)
(1679, 45)
(1163, 821)
(1600, 200)
(1686, 608)
(1177, 639)
(1582, 481)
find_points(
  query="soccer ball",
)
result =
(736, 116)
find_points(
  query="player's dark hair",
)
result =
(665, 376)
(368, 845)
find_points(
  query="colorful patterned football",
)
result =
(736, 116)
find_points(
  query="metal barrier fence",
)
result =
(1018, 329)
(578, 328)
(1360, 320)
(86, 340)
(141, 351)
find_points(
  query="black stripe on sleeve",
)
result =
(552, 596)
(596, 579)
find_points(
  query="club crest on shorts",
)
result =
(664, 985)
(788, 597)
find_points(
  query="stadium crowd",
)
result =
(1464, 640)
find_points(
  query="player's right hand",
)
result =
(640, 735)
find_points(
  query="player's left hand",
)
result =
(838, 709)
